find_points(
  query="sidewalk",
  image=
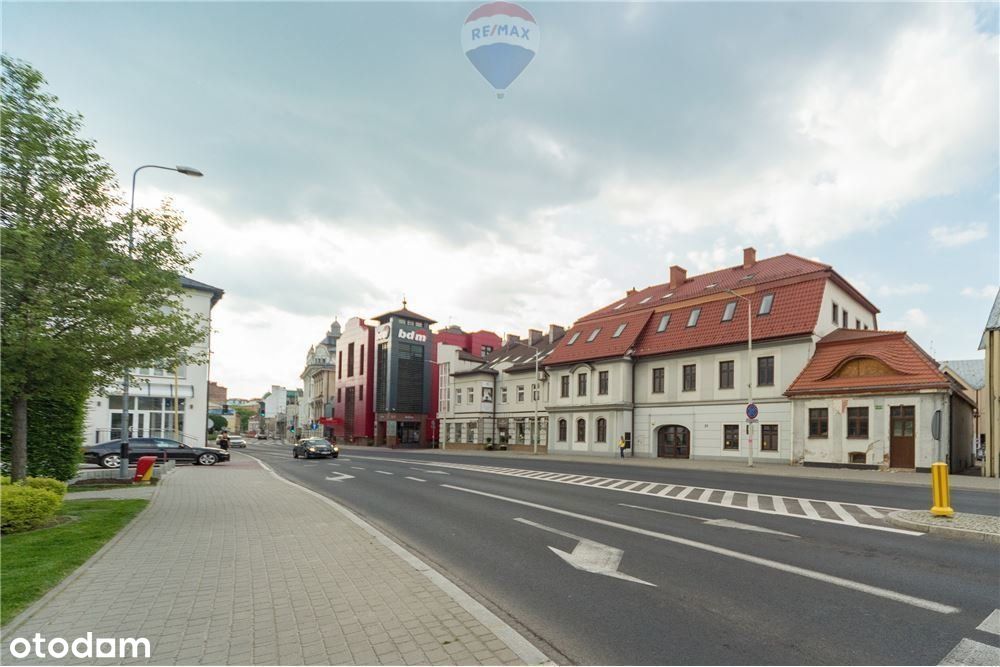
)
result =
(736, 467)
(232, 565)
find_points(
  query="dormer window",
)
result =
(711, 285)
(667, 295)
(646, 300)
(572, 339)
(619, 330)
(693, 317)
(664, 321)
(619, 305)
(727, 314)
(593, 335)
(765, 304)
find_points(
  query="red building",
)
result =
(353, 413)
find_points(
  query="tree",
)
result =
(245, 414)
(78, 308)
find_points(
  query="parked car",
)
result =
(237, 441)
(310, 447)
(262, 436)
(108, 454)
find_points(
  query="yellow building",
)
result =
(991, 419)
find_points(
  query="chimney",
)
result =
(630, 292)
(749, 257)
(678, 276)
(555, 332)
(512, 338)
(534, 335)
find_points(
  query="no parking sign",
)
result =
(752, 412)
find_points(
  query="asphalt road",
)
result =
(772, 589)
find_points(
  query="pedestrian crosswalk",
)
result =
(971, 652)
(848, 514)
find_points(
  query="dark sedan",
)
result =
(108, 454)
(311, 447)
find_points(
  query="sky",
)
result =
(352, 154)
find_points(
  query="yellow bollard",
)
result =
(940, 493)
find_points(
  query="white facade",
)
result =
(163, 404)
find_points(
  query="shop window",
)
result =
(731, 436)
(769, 437)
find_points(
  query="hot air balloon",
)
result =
(500, 39)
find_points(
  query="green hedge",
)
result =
(26, 508)
(55, 432)
(47, 483)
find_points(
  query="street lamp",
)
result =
(435, 417)
(535, 394)
(126, 430)
(749, 370)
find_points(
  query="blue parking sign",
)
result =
(752, 411)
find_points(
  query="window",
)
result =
(765, 371)
(693, 317)
(581, 430)
(338, 394)
(581, 384)
(486, 349)
(866, 327)
(602, 383)
(857, 422)
(731, 436)
(769, 437)
(689, 377)
(593, 335)
(564, 386)
(458, 396)
(503, 394)
(857, 324)
(470, 393)
(361, 393)
(458, 433)
(667, 295)
(350, 360)
(619, 305)
(836, 314)
(765, 304)
(657, 380)
(602, 430)
(471, 433)
(534, 392)
(727, 314)
(572, 339)
(845, 318)
(340, 365)
(726, 373)
(664, 321)
(619, 330)
(361, 361)
(562, 430)
(819, 426)
(520, 393)
(447, 432)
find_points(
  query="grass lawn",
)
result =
(36, 561)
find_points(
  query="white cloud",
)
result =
(903, 290)
(914, 318)
(958, 235)
(984, 292)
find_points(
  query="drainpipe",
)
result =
(631, 355)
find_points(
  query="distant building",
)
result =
(319, 382)
(217, 393)
(353, 413)
(165, 402)
(990, 420)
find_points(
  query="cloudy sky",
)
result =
(353, 154)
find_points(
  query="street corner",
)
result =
(961, 525)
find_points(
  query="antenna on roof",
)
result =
(404, 301)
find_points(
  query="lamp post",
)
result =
(535, 430)
(126, 427)
(749, 370)
(434, 418)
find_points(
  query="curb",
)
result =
(53, 592)
(896, 519)
(523, 648)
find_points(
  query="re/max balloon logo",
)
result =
(500, 39)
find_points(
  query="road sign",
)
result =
(752, 411)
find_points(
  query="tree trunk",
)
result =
(19, 448)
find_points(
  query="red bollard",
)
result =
(144, 469)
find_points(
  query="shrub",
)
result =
(4, 479)
(53, 485)
(26, 508)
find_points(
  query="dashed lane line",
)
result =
(416, 479)
(383, 472)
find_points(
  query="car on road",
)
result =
(237, 441)
(310, 447)
(262, 436)
(108, 454)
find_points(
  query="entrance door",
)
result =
(901, 441)
(673, 442)
(409, 434)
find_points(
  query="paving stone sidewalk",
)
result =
(231, 565)
(962, 525)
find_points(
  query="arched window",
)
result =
(562, 430)
(602, 430)
(581, 430)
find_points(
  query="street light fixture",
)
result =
(126, 430)
(749, 370)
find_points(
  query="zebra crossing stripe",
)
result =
(779, 505)
(727, 497)
(871, 512)
(665, 490)
(809, 509)
(752, 502)
(844, 515)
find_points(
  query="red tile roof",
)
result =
(604, 345)
(912, 368)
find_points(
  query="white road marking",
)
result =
(844, 515)
(333, 464)
(383, 472)
(340, 477)
(991, 624)
(417, 479)
(665, 490)
(873, 513)
(809, 509)
(727, 497)
(724, 523)
(685, 493)
(779, 505)
(765, 562)
(752, 502)
(357, 468)
(590, 556)
(971, 652)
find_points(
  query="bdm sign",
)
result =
(418, 336)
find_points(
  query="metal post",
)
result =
(750, 377)
(537, 383)
(177, 425)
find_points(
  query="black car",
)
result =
(310, 447)
(108, 454)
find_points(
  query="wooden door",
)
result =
(673, 442)
(902, 429)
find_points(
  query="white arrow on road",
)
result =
(340, 477)
(590, 556)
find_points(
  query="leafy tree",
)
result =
(79, 308)
(218, 422)
(245, 415)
